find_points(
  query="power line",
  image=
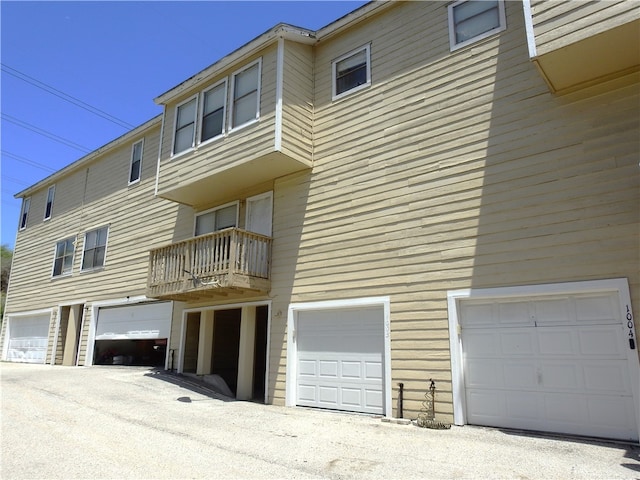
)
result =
(27, 161)
(45, 133)
(64, 96)
(15, 180)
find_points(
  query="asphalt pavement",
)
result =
(135, 423)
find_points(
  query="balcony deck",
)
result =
(231, 262)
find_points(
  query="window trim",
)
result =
(502, 20)
(231, 99)
(84, 244)
(24, 213)
(175, 125)
(218, 207)
(200, 113)
(48, 206)
(74, 242)
(133, 150)
(334, 72)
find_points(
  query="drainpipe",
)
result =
(400, 400)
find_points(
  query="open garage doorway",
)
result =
(227, 347)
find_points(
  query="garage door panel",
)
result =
(340, 359)
(608, 377)
(28, 338)
(606, 340)
(516, 343)
(142, 321)
(567, 372)
(520, 375)
(597, 309)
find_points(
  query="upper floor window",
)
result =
(351, 71)
(473, 20)
(95, 248)
(63, 261)
(24, 213)
(246, 95)
(136, 162)
(213, 111)
(185, 126)
(217, 219)
(48, 208)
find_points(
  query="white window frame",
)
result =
(452, 32)
(84, 244)
(24, 213)
(48, 206)
(55, 252)
(219, 207)
(175, 126)
(233, 128)
(200, 113)
(334, 72)
(133, 151)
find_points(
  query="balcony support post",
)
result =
(205, 343)
(246, 353)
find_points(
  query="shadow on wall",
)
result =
(558, 190)
(291, 195)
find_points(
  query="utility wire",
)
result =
(15, 180)
(27, 161)
(45, 133)
(64, 96)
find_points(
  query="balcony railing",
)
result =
(219, 263)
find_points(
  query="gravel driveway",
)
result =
(129, 422)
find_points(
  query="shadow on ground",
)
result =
(631, 450)
(192, 384)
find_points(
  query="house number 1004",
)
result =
(632, 341)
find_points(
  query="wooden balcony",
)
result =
(228, 263)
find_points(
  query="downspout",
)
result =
(164, 115)
(279, 93)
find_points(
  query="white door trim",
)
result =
(261, 196)
(292, 355)
(618, 285)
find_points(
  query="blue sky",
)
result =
(110, 59)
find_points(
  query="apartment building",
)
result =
(417, 192)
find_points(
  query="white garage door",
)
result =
(134, 322)
(340, 359)
(556, 364)
(28, 339)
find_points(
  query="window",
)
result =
(95, 246)
(352, 71)
(217, 219)
(24, 214)
(136, 162)
(185, 126)
(49, 206)
(472, 20)
(213, 103)
(63, 261)
(246, 95)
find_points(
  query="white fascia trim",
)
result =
(125, 138)
(618, 285)
(95, 306)
(292, 356)
(164, 114)
(528, 25)
(279, 93)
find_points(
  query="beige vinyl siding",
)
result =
(561, 23)
(297, 114)
(452, 171)
(241, 144)
(137, 222)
